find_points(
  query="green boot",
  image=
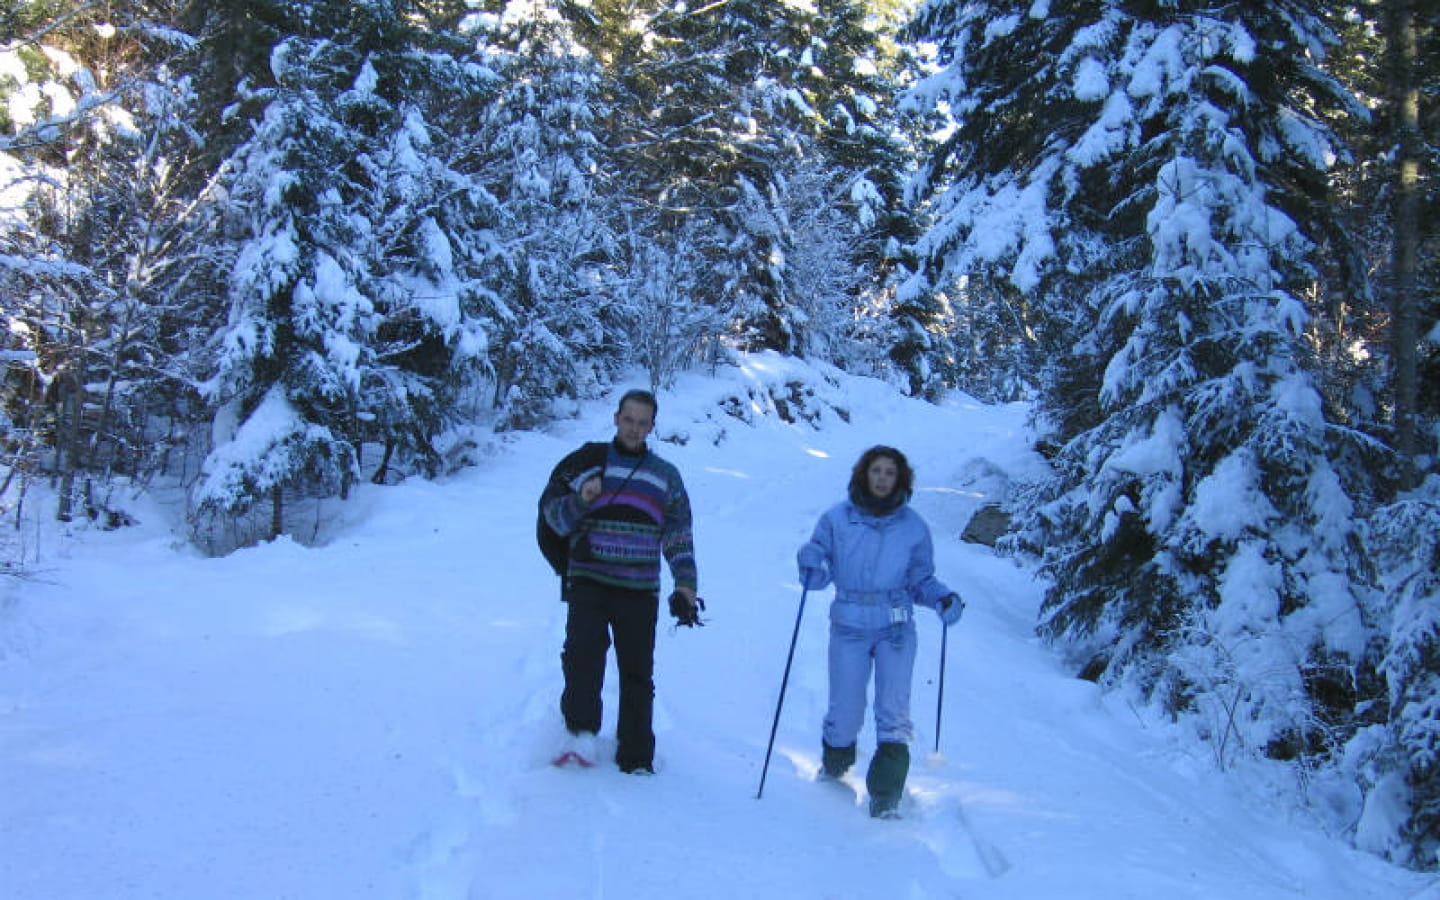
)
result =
(886, 779)
(836, 761)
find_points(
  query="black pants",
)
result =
(596, 612)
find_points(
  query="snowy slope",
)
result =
(372, 718)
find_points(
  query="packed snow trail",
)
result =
(374, 717)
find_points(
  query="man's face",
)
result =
(633, 424)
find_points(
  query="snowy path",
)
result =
(372, 719)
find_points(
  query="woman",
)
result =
(878, 553)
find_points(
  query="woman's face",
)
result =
(881, 476)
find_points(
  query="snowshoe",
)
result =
(578, 751)
(570, 757)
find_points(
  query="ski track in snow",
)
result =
(375, 718)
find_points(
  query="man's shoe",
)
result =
(885, 808)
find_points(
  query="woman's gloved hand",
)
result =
(814, 573)
(950, 609)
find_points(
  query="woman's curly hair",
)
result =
(904, 480)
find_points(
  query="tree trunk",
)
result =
(277, 512)
(380, 473)
(1406, 98)
(67, 445)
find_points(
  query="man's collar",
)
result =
(623, 451)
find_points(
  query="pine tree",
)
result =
(426, 249)
(1149, 178)
(719, 111)
(356, 305)
(1375, 347)
(1397, 759)
(560, 334)
(872, 145)
(693, 115)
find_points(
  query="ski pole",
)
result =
(940, 700)
(781, 702)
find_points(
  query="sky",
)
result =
(373, 715)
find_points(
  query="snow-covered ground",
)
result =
(372, 718)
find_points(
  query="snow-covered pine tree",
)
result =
(431, 250)
(286, 377)
(1148, 177)
(857, 67)
(354, 305)
(851, 67)
(1389, 52)
(981, 183)
(838, 301)
(560, 332)
(718, 108)
(1397, 759)
(232, 75)
(698, 116)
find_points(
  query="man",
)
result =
(622, 508)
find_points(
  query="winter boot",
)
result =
(886, 779)
(632, 767)
(835, 761)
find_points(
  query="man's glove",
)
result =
(686, 610)
(950, 608)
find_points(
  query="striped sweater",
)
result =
(641, 514)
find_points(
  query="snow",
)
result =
(1385, 813)
(1091, 80)
(258, 452)
(1229, 502)
(1157, 454)
(1001, 27)
(372, 717)
(368, 78)
(1001, 219)
(1249, 600)
(1161, 65)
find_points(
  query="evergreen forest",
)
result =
(254, 252)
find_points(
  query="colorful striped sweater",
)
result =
(641, 513)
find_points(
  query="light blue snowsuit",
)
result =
(882, 567)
